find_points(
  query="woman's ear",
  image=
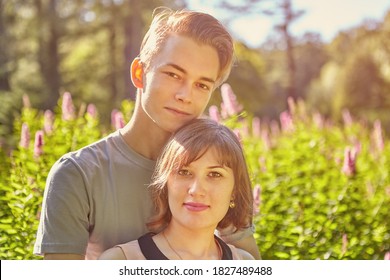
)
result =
(136, 71)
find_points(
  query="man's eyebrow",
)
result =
(177, 67)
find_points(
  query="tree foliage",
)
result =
(356, 74)
(52, 46)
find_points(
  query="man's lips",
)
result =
(195, 206)
(177, 111)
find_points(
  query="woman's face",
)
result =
(199, 194)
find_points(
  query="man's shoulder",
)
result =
(87, 163)
(240, 254)
(100, 146)
(87, 155)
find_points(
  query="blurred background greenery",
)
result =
(86, 47)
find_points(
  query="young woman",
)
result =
(201, 184)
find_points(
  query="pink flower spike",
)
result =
(48, 120)
(286, 121)
(256, 127)
(92, 111)
(38, 144)
(67, 107)
(266, 139)
(344, 244)
(347, 118)
(256, 199)
(357, 147)
(291, 104)
(244, 130)
(230, 100)
(318, 120)
(224, 113)
(26, 101)
(238, 134)
(378, 136)
(119, 120)
(25, 136)
(349, 166)
(214, 113)
(113, 114)
(275, 130)
(387, 256)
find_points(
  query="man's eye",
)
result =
(173, 75)
(203, 87)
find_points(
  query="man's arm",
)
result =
(242, 239)
(114, 253)
(63, 257)
(248, 244)
(63, 229)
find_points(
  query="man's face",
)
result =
(179, 82)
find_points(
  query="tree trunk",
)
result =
(289, 17)
(53, 76)
(112, 29)
(4, 53)
(133, 33)
(48, 57)
(291, 92)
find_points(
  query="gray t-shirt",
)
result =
(95, 198)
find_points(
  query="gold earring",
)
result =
(232, 204)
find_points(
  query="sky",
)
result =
(326, 17)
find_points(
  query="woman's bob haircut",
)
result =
(189, 144)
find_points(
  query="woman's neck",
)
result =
(187, 244)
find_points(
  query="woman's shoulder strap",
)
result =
(149, 249)
(226, 251)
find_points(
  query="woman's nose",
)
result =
(197, 187)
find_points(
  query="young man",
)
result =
(97, 197)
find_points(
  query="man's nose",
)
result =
(184, 93)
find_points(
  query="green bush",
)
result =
(309, 207)
(312, 209)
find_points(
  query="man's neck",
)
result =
(144, 136)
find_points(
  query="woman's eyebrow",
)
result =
(216, 166)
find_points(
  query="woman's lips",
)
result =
(196, 207)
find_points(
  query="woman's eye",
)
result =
(184, 172)
(215, 174)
